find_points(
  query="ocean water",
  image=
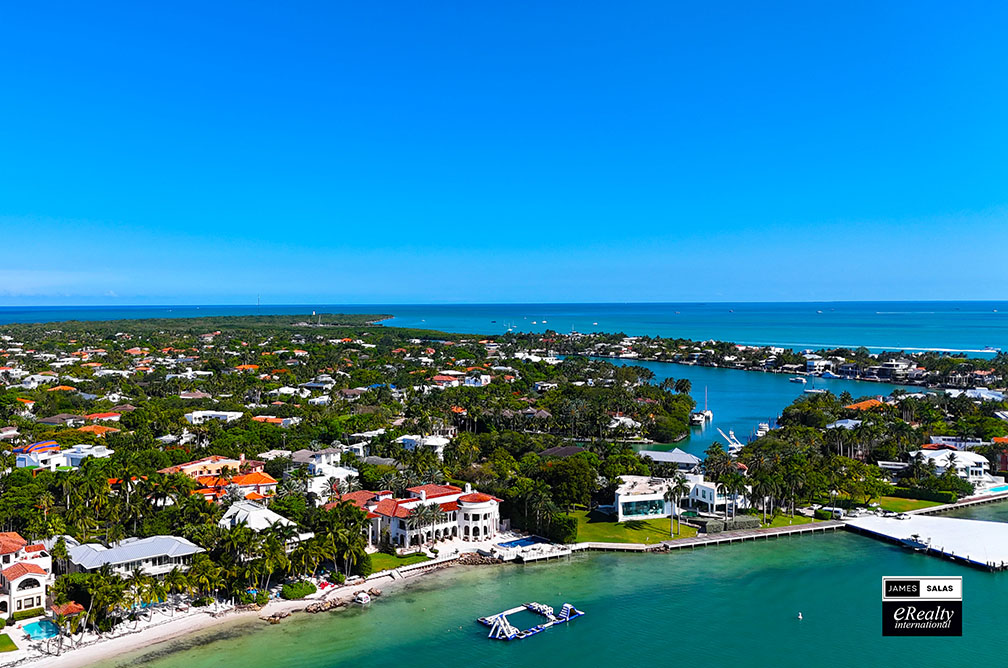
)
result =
(953, 326)
(733, 605)
(740, 400)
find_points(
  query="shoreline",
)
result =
(146, 639)
(174, 629)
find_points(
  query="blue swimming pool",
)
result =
(41, 630)
(523, 542)
(1001, 488)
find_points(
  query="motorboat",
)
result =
(798, 379)
(362, 598)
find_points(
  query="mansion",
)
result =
(465, 514)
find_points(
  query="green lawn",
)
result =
(898, 505)
(785, 520)
(383, 562)
(6, 644)
(596, 527)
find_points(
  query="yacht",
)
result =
(798, 379)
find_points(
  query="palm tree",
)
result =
(683, 386)
(678, 488)
(176, 583)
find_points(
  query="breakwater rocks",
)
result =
(322, 606)
(276, 616)
(475, 559)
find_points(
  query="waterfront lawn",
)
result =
(898, 505)
(597, 527)
(784, 521)
(6, 644)
(383, 562)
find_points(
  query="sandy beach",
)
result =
(145, 638)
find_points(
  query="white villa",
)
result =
(200, 417)
(969, 466)
(465, 514)
(259, 518)
(25, 573)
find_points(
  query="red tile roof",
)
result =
(11, 542)
(21, 569)
(70, 608)
(434, 491)
(476, 497)
(865, 405)
(391, 508)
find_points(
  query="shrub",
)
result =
(3, 622)
(338, 578)
(293, 590)
(742, 522)
(924, 494)
(822, 514)
(25, 614)
(562, 529)
(262, 598)
(364, 567)
(202, 601)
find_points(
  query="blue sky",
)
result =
(436, 152)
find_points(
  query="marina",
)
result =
(502, 629)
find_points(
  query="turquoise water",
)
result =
(740, 400)
(877, 325)
(733, 605)
(41, 629)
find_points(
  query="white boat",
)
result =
(697, 418)
(763, 429)
(362, 597)
(798, 379)
(815, 390)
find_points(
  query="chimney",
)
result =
(423, 494)
(241, 458)
(468, 488)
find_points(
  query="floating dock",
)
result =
(502, 629)
(971, 542)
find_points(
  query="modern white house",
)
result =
(683, 460)
(435, 443)
(199, 417)
(641, 497)
(156, 555)
(710, 497)
(82, 451)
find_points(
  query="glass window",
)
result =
(636, 508)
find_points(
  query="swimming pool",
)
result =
(523, 542)
(41, 630)
(1001, 488)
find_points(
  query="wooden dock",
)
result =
(707, 540)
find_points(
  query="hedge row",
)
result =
(820, 514)
(294, 590)
(709, 525)
(924, 494)
(562, 529)
(25, 614)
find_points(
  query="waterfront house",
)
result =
(25, 574)
(969, 466)
(641, 497)
(155, 555)
(465, 514)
